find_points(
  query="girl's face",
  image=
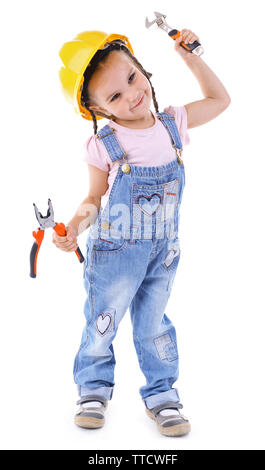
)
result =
(116, 89)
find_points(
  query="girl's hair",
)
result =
(100, 57)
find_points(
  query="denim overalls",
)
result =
(132, 256)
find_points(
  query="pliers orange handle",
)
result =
(61, 231)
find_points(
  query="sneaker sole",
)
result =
(177, 430)
(89, 422)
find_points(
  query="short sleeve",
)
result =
(180, 114)
(95, 154)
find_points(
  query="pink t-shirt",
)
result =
(144, 147)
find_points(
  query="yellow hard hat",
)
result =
(76, 55)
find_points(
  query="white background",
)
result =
(217, 302)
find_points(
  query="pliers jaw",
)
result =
(47, 220)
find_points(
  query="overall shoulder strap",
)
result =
(169, 122)
(107, 136)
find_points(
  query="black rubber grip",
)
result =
(33, 254)
(173, 32)
(81, 257)
(193, 45)
(187, 47)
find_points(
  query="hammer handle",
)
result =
(61, 231)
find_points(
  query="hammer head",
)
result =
(47, 220)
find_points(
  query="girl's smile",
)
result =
(140, 102)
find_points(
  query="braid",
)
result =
(101, 56)
(95, 124)
(154, 98)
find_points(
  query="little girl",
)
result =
(136, 181)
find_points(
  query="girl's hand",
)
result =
(188, 37)
(67, 243)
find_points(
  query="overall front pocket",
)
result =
(109, 245)
(158, 200)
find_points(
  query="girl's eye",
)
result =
(114, 97)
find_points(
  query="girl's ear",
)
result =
(100, 111)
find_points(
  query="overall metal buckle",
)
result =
(125, 167)
(179, 154)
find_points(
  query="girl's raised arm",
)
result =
(216, 97)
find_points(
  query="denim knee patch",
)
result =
(166, 348)
(105, 321)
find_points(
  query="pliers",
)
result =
(46, 222)
(195, 47)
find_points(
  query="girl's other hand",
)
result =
(186, 36)
(68, 242)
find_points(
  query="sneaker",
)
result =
(91, 412)
(170, 421)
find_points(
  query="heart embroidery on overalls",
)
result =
(152, 205)
(103, 323)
